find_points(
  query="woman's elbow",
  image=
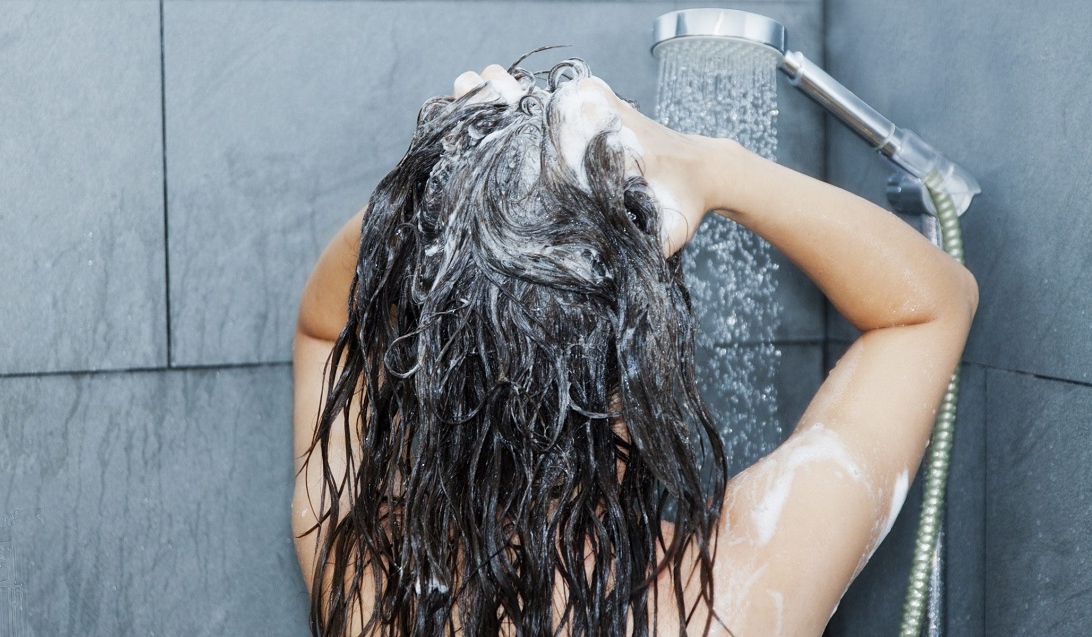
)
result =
(957, 304)
(969, 287)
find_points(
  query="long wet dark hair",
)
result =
(522, 355)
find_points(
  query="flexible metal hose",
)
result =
(927, 545)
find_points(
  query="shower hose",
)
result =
(924, 585)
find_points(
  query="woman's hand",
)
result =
(498, 85)
(679, 168)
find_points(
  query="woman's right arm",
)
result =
(874, 268)
(800, 524)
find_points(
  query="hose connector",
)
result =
(914, 155)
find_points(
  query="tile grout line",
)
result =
(144, 370)
(963, 361)
(1055, 379)
(163, 140)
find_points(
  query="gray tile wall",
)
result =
(1038, 544)
(984, 81)
(170, 170)
(148, 503)
(81, 191)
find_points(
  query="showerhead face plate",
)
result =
(719, 23)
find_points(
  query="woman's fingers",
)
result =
(498, 85)
(465, 83)
(588, 107)
(503, 83)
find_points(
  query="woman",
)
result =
(511, 409)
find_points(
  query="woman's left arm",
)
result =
(323, 313)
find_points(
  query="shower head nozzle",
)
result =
(719, 23)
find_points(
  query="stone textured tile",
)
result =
(1038, 509)
(1021, 132)
(81, 189)
(281, 119)
(149, 503)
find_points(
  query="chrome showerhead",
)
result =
(719, 23)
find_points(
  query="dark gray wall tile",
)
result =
(802, 304)
(150, 503)
(81, 189)
(1021, 132)
(1038, 509)
(282, 118)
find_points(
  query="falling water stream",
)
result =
(727, 88)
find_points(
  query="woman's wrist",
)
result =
(723, 172)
